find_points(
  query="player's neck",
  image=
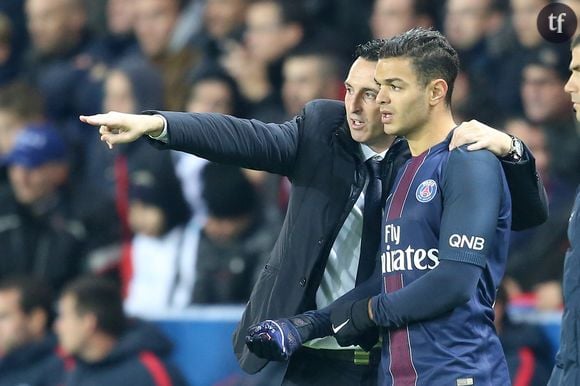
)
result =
(434, 131)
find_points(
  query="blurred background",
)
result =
(184, 238)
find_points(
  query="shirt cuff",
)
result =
(163, 137)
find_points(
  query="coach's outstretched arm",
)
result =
(222, 138)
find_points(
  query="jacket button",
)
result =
(302, 282)
(319, 242)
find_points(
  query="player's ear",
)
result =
(437, 91)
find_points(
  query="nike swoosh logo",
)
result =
(339, 327)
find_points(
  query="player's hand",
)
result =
(481, 136)
(279, 339)
(351, 323)
(118, 128)
(275, 340)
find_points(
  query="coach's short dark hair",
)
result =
(430, 53)
(369, 50)
(34, 293)
(102, 298)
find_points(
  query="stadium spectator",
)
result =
(119, 38)
(273, 29)
(466, 26)
(510, 63)
(62, 63)
(28, 352)
(524, 15)
(545, 103)
(47, 219)
(161, 244)
(223, 18)
(468, 104)
(155, 24)
(308, 76)
(211, 90)
(132, 85)
(20, 105)
(235, 239)
(501, 37)
(543, 79)
(392, 17)
(108, 349)
(223, 21)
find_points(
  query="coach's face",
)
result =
(403, 100)
(572, 87)
(362, 110)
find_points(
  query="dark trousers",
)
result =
(319, 368)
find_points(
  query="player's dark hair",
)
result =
(33, 292)
(370, 50)
(430, 53)
(102, 298)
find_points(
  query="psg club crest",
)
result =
(426, 191)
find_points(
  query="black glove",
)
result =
(273, 339)
(351, 324)
(278, 339)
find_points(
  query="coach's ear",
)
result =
(437, 91)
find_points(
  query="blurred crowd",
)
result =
(173, 229)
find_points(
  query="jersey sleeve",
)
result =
(472, 188)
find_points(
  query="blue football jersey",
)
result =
(446, 205)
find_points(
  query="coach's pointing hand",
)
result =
(118, 128)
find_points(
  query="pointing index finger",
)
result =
(95, 120)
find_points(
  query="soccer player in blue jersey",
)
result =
(445, 238)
